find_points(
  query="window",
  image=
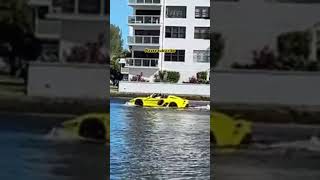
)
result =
(201, 56)
(175, 32)
(202, 12)
(89, 6)
(202, 33)
(178, 56)
(176, 12)
(57, 3)
(42, 12)
(68, 6)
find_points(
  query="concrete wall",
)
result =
(168, 88)
(68, 80)
(266, 87)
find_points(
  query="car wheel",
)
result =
(160, 102)
(247, 139)
(138, 102)
(173, 104)
(93, 129)
(213, 138)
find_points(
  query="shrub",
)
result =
(91, 52)
(167, 76)
(202, 75)
(193, 80)
(293, 54)
(138, 78)
(173, 76)
(201, 78)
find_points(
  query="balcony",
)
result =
(145, 3)
(142, 62)
(48, 28)
(143, 40)
(144, 20)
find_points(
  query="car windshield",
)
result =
(154, 95)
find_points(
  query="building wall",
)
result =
(62, 80)
(251, 24)
(188, 68)
(266, 87)
(167, 88)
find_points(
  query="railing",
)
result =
(144, 1)
(48, 27)
(143, 39)
(144, 19)
(142, 62)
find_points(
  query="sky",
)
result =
(119, 12)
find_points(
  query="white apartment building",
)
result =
(248, 25)
(63, 24)
(168, 24)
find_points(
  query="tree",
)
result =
(16, 12)
(217, 49)
(116, 52)
(16, 37)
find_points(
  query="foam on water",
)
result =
(207, 107)
(60, 134)
(312, 144)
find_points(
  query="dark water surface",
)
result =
(27, 152)
(290, 152)
(148, 143)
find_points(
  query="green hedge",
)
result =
(202, 75)
(167, 76)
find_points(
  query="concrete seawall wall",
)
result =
(266, 87)
(68, 80)
(168, 88)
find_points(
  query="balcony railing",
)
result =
(154, 40)
(142, 62)
(144, 19)
(156, 2)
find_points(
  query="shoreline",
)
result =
(273, 114)
(133, 95)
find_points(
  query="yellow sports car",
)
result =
(90, 127)
(160, 100)
(226, 131)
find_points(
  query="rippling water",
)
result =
(291, 153)
(27, 153)
(158, 144)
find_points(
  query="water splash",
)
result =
(312, 144)
(207, 107)
(60, 134)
